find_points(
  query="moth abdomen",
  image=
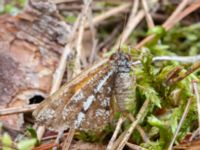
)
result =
(123, 89)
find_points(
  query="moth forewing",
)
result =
(81, 101)
(85, 102)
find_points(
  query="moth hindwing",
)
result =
(85, 102)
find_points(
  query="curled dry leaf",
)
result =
(30, 46)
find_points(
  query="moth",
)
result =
(85, 102)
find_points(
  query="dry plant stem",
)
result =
(196, 93)
(169, 24)
(180, 123)
(114, 136)
(194, 134)
(15, 110)
(92, 29)
(149, 19)
(130, 25)
(139, 129)
(185, 13)
(178, 10)
(133, 125)
(135, 21)
(134, 147)
(79, 46)
(59, 136)
(117, 142)
(112, 12)
(67, 141)
(193, 68)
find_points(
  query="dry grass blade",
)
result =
(177, 11)
(139, 129)
(180, 123)
(68, 140)
(149, 19)
(169, 24)
(192, 69)
(114, 136)
(133, 125)
(196, 93)
(134, 147)
(112, 12)
(130, 25)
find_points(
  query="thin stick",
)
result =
(180, 123)
(139, 129)
(111, 12)
(168, 24)
(130, 25)
(93, 31)
(195, 134)
(177, 11)
(134, 147)
(133, 125)
(149, 19)
(117, 142)
(196, 93)
(67, 141)
(114, 136)
(16, 110)
(192, 69)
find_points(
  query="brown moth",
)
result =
(85, 102)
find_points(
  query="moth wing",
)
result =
(63, 108)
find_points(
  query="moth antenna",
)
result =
(120, 40)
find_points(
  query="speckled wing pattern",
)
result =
(83, 103)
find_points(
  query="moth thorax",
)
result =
(122, 88)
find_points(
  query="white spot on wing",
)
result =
(77, 97)
(66, 112)
(102, 113)
(79, 120)
(46, 114)
(103, 81)
(105, 102)
(88, 102)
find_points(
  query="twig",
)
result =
(195, 134)
(192, 69)
(149, 19)
(133, 125)
(15, 110)
(59, 136)
(117, 142)
(79, 46)
(139, 129)
(177, 11)
(196, 93)
(182, 59)
(111, 12)
(134, 147)
(130, 25)
(68, 140)
(180, 123)
(109, 39)
(133, 21)
(93, 31)
(114, 136)
(168, 24)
